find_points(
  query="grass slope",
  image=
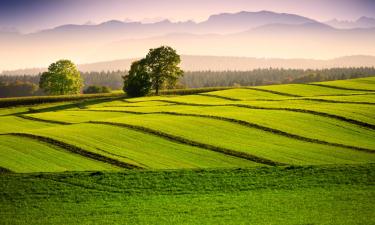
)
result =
(138, 148)
(291, 122)
(17, 124)
(300, 195)
(308, 90)
(367, 83)
(214, 129)
(249, 140)
(26, 155)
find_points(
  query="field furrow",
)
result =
(244, 139)
(77, 150)
(234, 118)
(139, 149)
(299, 90)
(20, 153)
(194, 143)
(366, 84)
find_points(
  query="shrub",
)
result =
(93, 89)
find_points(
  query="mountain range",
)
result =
(243, 34)
(362, 22)
(222, 63)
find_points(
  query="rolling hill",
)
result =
(295, 124)
(280, 154)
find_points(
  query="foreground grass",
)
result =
(270, 195)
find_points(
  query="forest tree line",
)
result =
(27, 85)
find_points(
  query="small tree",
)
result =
(163, 67)
(61, 78)
(138, 81)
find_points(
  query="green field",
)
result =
(300, 195)
(280, 154)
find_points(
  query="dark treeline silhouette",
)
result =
(18, 89)
(197, 79)
(112, 79)
(269, 76)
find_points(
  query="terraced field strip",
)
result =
(219, 97)
(304, 90)
(273, 92)
(252, 141)
(364, 115)
(70, 116)
(248, 94)
(337, 101)
(76, 150)
(138, 148)
(193, 143)
(363, 84)
(23, 116)
(24, 154)
(289, 128)
(340, 88)
(18, 124)
(361, 99)
(233, 120)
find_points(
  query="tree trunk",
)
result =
(157, 87)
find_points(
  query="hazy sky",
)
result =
(32, 15)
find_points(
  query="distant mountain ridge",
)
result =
(362, 22)
(244, 34)
(222, 63)
(219, 23)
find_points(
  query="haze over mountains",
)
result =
(222, 63)
(261, 34)
(362, 22)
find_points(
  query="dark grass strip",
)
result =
(193, 143)
(5, 170)
(341, 88)
(273, 92)
(219, 97)
(23, 116)
(317, 113)
(323, 114)
(17, 101)
(335, 101)
(190, 91)
(257, 126)
(77, 150)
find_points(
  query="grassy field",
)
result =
(354, 84)
(281, 154)
(275, 195)
(33, 156)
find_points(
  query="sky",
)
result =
(32, 15)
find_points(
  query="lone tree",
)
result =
(163, 66)
(138, 81)
(159, 69)
(61, 78)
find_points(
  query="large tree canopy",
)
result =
(138, 81)
(163, 66)
(61, 78)
(159, 69)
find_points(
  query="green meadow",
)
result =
(279, 154)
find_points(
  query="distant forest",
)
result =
(25, 85)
